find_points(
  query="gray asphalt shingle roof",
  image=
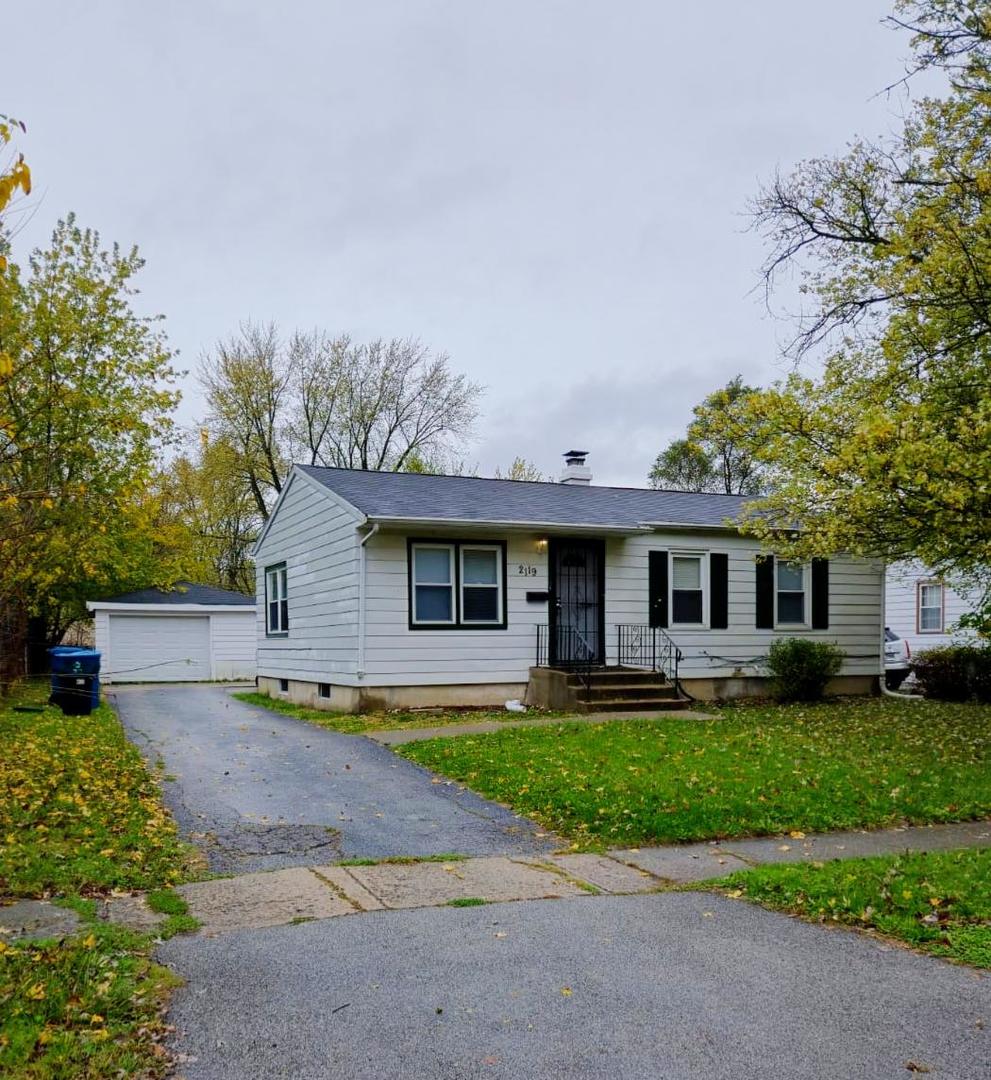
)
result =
(421, 497)
(184, 593)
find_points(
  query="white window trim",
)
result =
(499, 585)
(806, 623)
(919, 586)
(703, 558)
(452, 585)
(279, 574)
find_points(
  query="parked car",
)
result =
(897, 659)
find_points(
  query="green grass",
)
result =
(79, 810)
(939, 901)
(358, 723)
(81, 815)
(403, 860)
(467, 901)
(755, 769)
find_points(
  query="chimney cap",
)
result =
(575, 456)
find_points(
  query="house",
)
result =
(389, 590)
(186, 634)
(924, 609)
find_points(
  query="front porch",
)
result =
(571, 671)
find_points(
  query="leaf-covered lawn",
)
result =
(938, 901)
(80, 815)
(753, 770)
(79, 811)
(358, 723)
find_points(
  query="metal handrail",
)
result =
(649, 647)
(572, 653)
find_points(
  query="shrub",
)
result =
(801, 668)
(955, 672)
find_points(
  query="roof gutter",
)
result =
(518, 526)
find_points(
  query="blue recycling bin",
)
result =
(75, 679)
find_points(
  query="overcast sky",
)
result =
(552, 191)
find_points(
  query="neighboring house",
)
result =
(190, 633)
(922, 608)
(400, 589)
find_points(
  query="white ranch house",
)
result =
(394, 590)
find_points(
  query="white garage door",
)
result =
(159, 648)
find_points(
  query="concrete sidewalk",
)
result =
(302, 894)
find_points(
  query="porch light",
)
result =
(541, 545)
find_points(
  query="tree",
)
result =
(14, 176)
(713, 457)
(520, 469)
(887, 450)
(328, 401)
(86, 411)
(204, 493)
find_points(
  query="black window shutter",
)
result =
(719, 590)
(765, 592)
(820, 594)
(657, 588)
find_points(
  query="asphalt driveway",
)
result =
(258, 791)
(674, 986)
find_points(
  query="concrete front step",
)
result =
(652, 704)
(627, 676)
(619, 691)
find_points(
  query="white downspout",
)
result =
(362, 574)
(884, 622)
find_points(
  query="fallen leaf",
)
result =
(917, 1067)
(566, 991)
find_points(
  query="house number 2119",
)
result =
(524, 570)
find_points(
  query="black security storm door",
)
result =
(577, 609)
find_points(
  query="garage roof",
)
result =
(183, 592)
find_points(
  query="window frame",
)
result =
(451, 584)
(280, 573)
(499, 585)
(919, 586)
(806, 623)
(702, 557)
(456, 546)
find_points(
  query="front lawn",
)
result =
(80, 815)
(359, 723)
(755, 769)
(937, 901)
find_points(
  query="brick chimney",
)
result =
(575, 470)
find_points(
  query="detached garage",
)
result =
(192, 633)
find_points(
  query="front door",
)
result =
(577, 610)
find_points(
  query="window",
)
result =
(687, 590)
(433, 584)
(481, 584)
(323, 689)
(283, 686)
(457, 584)
(790, 589)
(930, 602)
(276, 600)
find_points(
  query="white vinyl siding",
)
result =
(854, 607)
(901, 607)
(317, 539)
(396, 655)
